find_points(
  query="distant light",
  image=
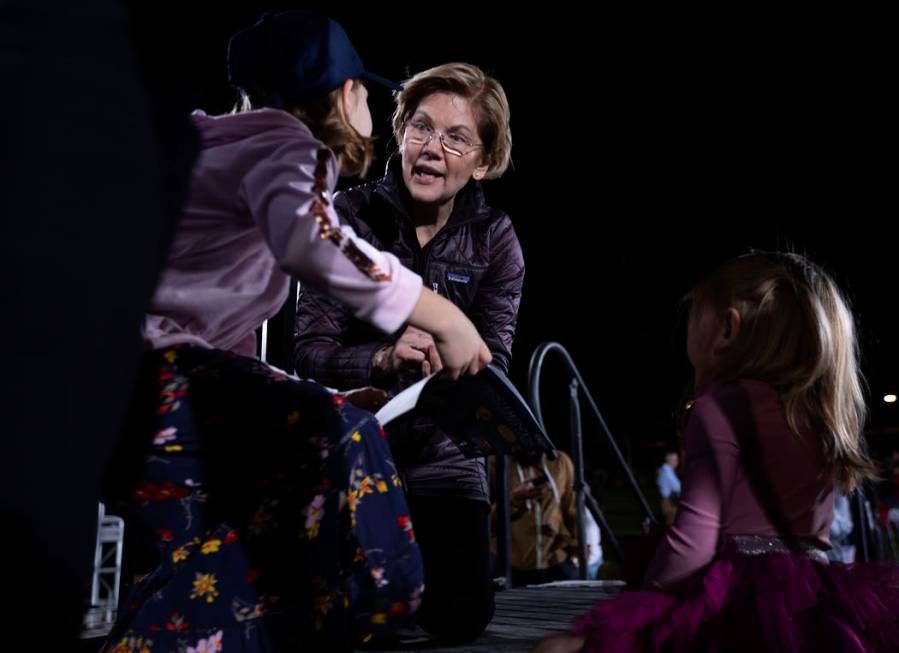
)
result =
(890, 399)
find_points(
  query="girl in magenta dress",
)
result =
(774, 430)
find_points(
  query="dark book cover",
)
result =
(484, 414)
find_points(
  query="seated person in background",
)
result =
(542, 520)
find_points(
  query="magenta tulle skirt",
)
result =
(758, 604)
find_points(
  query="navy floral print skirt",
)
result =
(272, 511)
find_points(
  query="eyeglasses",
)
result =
(419, 132)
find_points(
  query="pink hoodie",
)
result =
(248, 225)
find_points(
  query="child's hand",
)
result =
(562, 643)
(460, 347)
(368, 398)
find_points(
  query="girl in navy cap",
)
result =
(270, 508)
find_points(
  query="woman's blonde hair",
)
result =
(488, 102)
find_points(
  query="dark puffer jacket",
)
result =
(475, 261)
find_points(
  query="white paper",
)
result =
(403, 402)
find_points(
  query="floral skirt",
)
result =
(268, 514)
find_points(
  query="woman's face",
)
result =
(431, 173)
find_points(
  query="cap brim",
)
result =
(381, 81)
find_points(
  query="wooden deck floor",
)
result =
(525, 615)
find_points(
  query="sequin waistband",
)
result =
(762, 544)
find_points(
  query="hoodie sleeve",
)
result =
(288, 194)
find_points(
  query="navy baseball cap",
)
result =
(299, 54)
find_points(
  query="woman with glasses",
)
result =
(452, 127)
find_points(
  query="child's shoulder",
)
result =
(262, 129)
(739, 391)
(725, 406)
